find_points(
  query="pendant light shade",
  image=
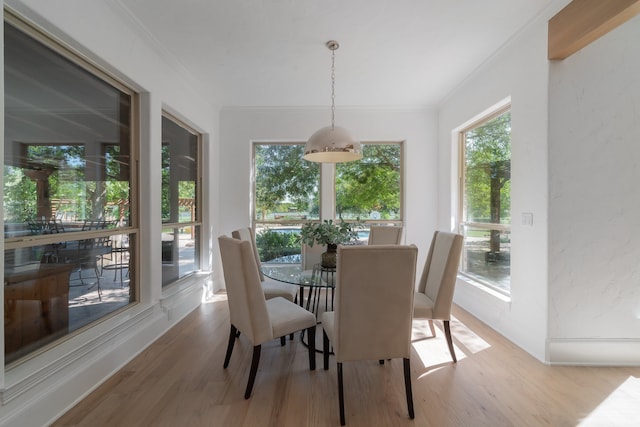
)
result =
(332, 144)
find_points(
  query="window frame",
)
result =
(461, 223)
(197, 223)
(132, 229)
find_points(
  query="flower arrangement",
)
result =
(331, 234)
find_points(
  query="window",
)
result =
(181, 222)
(286, 194)
(485, 216)
(70, 222)
(371, 188)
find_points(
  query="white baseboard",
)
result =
(594, 352)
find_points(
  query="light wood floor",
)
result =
(179, 381)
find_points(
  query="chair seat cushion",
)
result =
(273, 288)
(287, 317)
(422, 306)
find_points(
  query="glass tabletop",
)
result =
(296, 275)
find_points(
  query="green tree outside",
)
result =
(488, 174)
(283, 178)
(371, 184)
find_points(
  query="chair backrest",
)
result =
(247, 306)
(438, 278)
(246, 234)
(374, 301)
(311, 255)
(385, 235)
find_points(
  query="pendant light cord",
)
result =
(333, 89)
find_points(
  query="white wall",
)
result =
(43, 387)
(239, 127)
(520, 71)
(594, 202)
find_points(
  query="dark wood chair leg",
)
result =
(340, 394)
(325, 350)
(283, 340)
(254, 369)
(232, 339)
(407, 386)
(447, 332)
(312, 347)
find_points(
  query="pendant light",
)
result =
(332, 144)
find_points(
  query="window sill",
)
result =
(470, 283)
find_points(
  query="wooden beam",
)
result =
(583, 21)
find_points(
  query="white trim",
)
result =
(383, 108)
(178, 298)
(36, 377)
(594, 352)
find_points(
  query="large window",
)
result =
(181, 222)
(70, 222)
(485, 217)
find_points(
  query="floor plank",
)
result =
(179, 380)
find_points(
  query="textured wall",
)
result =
(594, 209)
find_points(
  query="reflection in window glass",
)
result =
(180, 253)
(370, 188)
(57, 288)
(486, 202)
(67, 195)
(180, 201)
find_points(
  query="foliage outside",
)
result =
(272, 244)
(287, 187)
(488, 171)
(285, 183)
(370, 188)
(69, 192)
(487, 200)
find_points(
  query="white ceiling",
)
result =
(393, 53)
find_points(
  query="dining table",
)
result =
(315, 280)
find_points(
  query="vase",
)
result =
(329, 257)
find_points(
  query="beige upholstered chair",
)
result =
(385, 235)
(272, 288)
(435, 290)
(311, 258)
(311, 255)
(372, 318)
(258, 319)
